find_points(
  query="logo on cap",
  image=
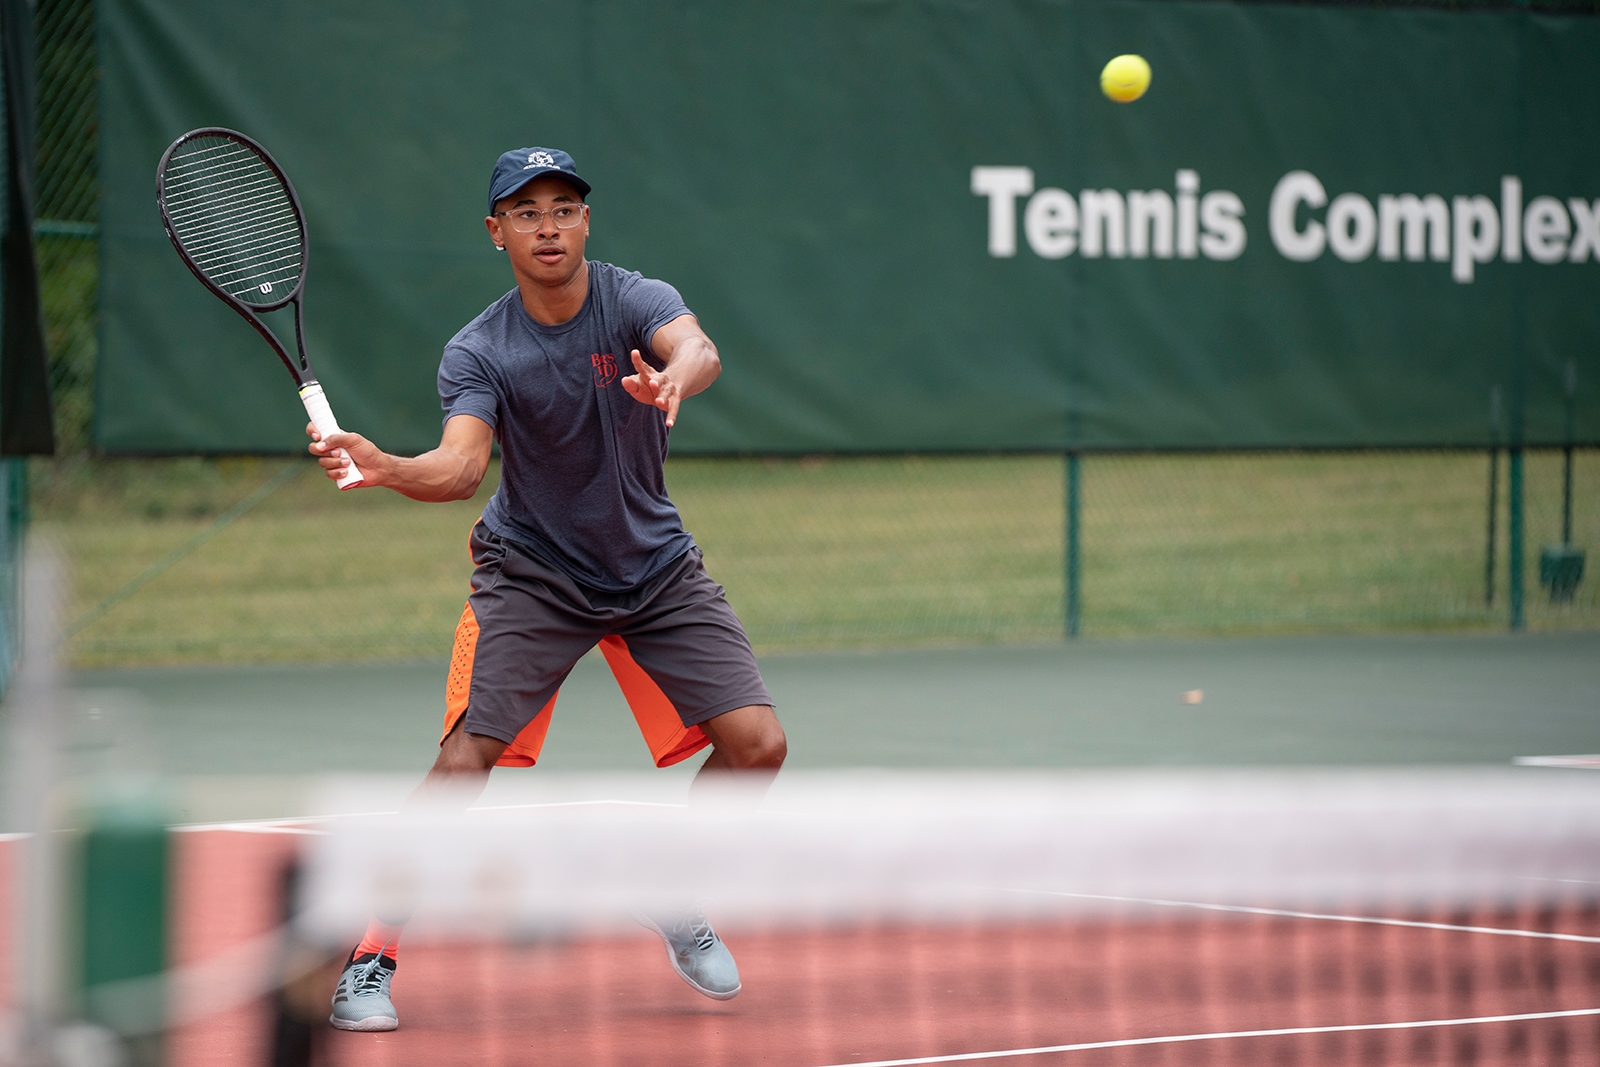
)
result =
(540, 159)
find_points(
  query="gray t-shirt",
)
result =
(580, 477)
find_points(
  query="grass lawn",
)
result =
(843, 552)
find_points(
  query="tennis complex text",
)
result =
(1305, 222)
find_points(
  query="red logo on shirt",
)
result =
(605, 369)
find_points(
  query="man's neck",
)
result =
(551, 305)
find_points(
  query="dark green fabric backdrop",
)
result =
(25, 423)
(804, 173)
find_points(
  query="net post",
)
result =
(33, 745)
(1074, 563)
(118, 923)
(1514, 490)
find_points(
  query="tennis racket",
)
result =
(237, 225)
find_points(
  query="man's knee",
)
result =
(749, 738)
(771, 748)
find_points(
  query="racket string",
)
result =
(271, 241)
(220, 238)
(234, 219)
(192, 176)
(205, 211)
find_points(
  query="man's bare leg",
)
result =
(361, 999)
(747, 745)
(460, 771)
(747, 748)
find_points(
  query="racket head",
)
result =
(233, 217)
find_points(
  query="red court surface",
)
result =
(8, 931)
(887, 993)
(225, 892)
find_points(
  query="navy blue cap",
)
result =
(520, 166)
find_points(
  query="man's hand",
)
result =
(653, 387)
(450, 472)
(367, 456)
(689, 362)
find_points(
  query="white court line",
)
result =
(270, 826)
(255, 826)
(1587, 763)
(1374, 920)
(1174, 1039)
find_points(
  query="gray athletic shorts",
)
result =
(675, 646)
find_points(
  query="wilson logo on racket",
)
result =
(605, 369)
(266, 287)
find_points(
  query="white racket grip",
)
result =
(322, 418)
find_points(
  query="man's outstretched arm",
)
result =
(450, 472)
(691, 362)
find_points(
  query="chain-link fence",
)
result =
(826, 552)
(841, 552)
(1284, 542)
(67, 209)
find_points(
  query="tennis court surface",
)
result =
(1334, 858)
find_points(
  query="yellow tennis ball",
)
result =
(1125, 78)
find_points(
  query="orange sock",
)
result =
(380, 937)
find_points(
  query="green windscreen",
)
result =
(907, 224)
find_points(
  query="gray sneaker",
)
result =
(361, 999)
(697, 954)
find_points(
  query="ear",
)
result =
(492, 224)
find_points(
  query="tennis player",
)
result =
(579, 372)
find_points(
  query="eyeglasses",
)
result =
(528, 219)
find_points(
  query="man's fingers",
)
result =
(653, 387)
(340, 451)
(649, 376)
(645, 390)
(342, 440)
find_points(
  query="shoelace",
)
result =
(366, 978)
(699, 929)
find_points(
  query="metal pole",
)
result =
(1074, 559)
(1488, 554)
(1566, 496)
(1514, 548)
(1494, 494)
(1517, 350)
(1566, 455)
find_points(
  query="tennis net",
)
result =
(1447, 916)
